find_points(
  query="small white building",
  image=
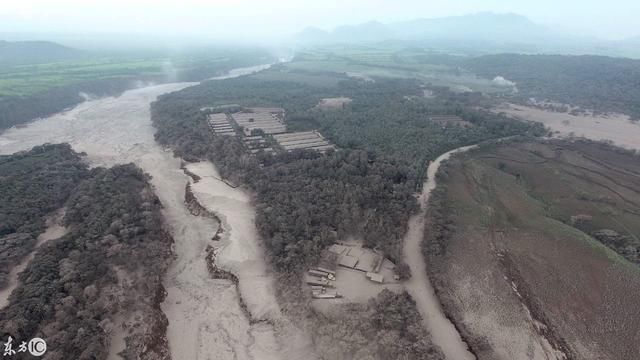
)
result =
(378, 278)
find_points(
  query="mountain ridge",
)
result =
(506, 27)
(33, 52)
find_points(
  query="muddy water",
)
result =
(240, 251)
(54, 231)
(443, 332)
(206, 320)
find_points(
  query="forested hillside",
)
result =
(600, 83)
(307, 201)
(78, 289)
(33, 184)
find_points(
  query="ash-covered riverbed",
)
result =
(206, 319)
(419, 286)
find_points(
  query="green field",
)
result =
(25, 80)
(394, 62)
(29, 91)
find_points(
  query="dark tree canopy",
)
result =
(600, 83)
(110, 262)
(33, 184)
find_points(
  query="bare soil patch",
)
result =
(353, 284)
(520, 279)
(617, 128)
(333, 103)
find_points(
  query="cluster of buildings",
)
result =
(262, 129)
(345, 269)
(220, 125)
(257, 143)
(258, 122)
(268, 120)
(322, 282)
(358, 258)
(309, 140)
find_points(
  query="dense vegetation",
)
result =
(31, 91)
(390, 322)
(398, 126)
(109, 265)
(33, 184)
(594, 82)
(307, 201)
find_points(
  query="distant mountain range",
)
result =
(481, 26)
(33, 52)
(472, 34)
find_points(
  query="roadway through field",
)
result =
(442, 331)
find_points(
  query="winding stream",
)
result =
(443, 333)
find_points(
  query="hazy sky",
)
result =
(252, 18)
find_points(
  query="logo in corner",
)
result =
(37, 347)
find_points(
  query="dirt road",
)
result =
(443, 332)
